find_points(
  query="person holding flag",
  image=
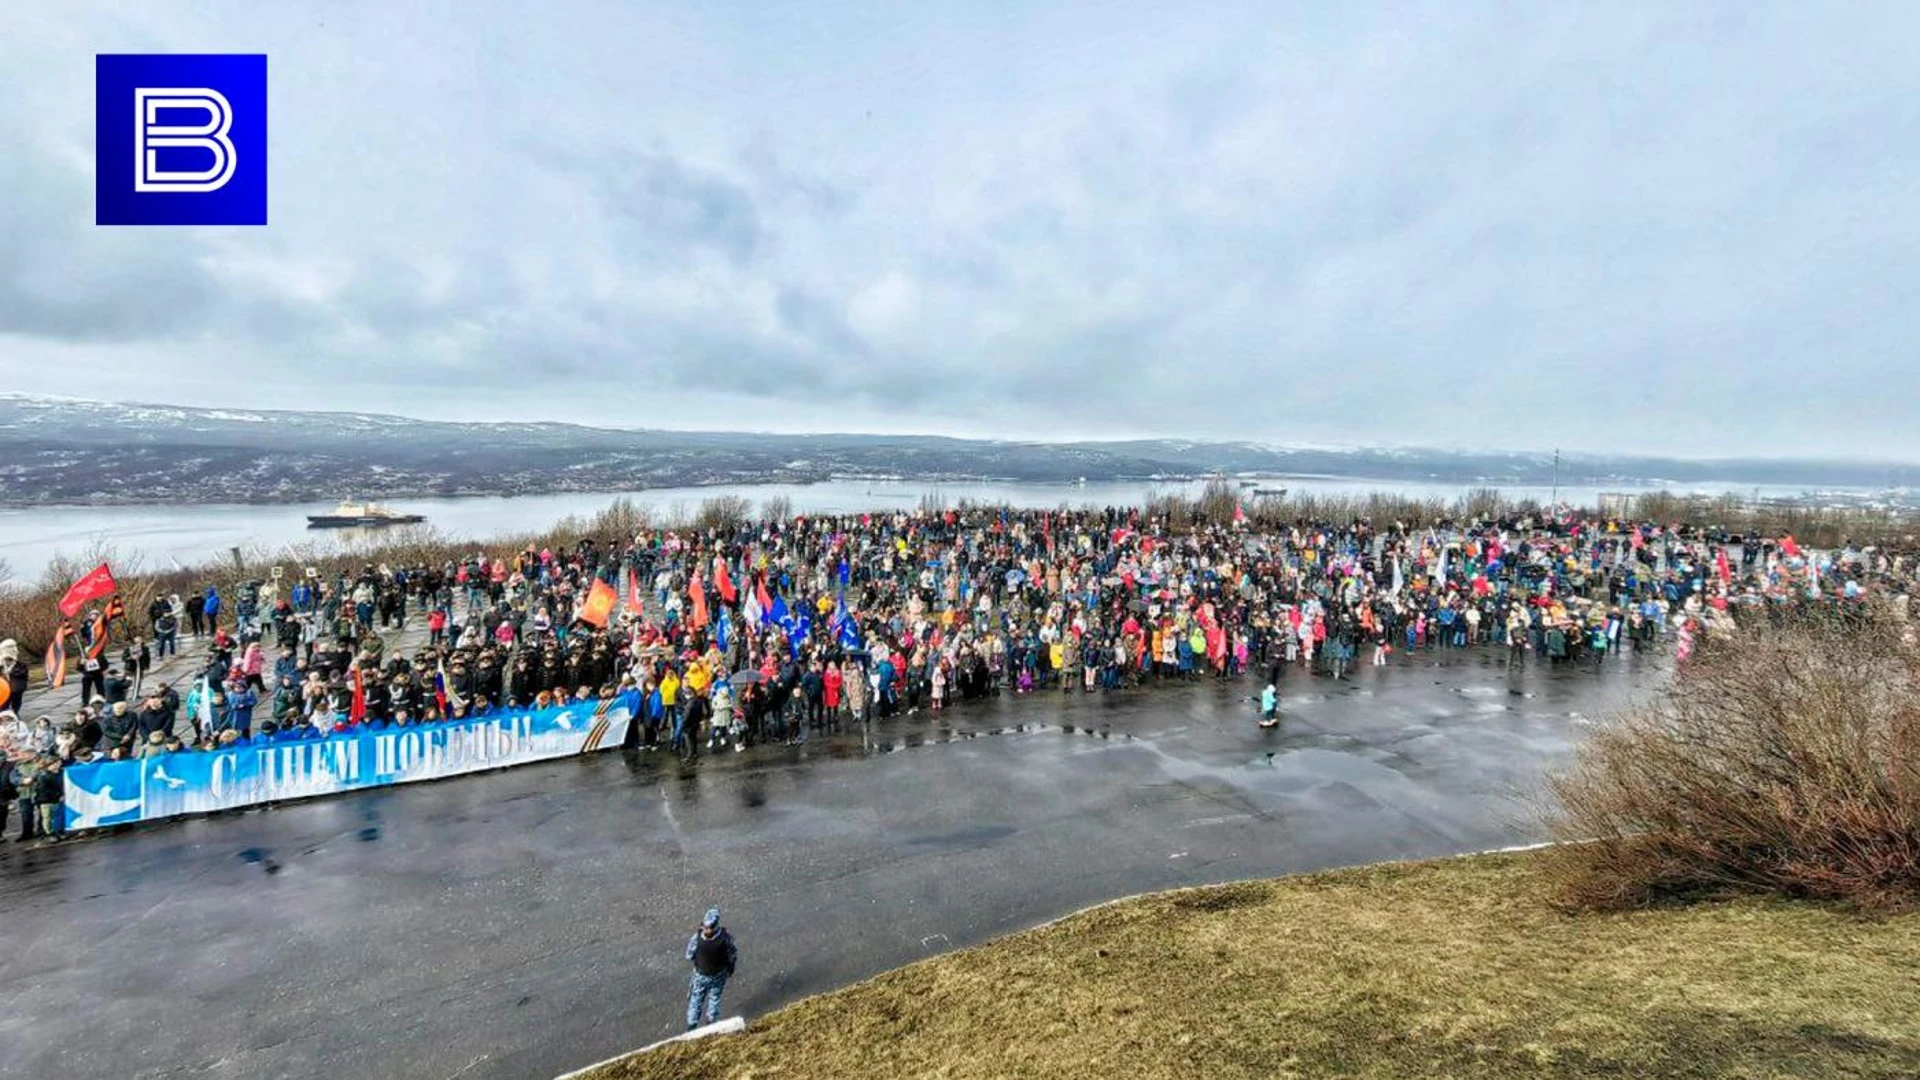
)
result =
(93, 661)
(200, 708)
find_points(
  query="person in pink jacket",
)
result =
(252, 664)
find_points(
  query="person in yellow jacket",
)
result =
(697, 680)
(670, 708)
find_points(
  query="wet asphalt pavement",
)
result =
(531, 921)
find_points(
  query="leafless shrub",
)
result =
(723, 512)
(1786, 760)
(1482, 503)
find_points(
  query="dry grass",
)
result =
(1455, 968)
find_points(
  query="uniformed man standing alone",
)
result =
(713, 954)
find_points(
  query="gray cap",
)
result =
(713, 917)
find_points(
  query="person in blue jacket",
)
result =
(714, 956)
(210, 607)
(241, 701)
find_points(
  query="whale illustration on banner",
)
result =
(92, 809)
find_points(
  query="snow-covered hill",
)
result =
(66, 450)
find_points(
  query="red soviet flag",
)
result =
(723, 580)
(598, 606)
(98, 583)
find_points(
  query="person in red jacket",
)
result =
(831, 694)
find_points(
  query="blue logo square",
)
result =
(180, 140)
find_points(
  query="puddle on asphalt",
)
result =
(909, 740)
(261, 857)
(976, 836)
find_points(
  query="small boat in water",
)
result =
(350, 515)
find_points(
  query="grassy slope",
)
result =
(1451, 968)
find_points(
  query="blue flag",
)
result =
(777, 614)
(802, 626)
(845, 630)
(723, 630)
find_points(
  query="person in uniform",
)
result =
(713, 954)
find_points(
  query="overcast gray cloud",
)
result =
(1675, 228)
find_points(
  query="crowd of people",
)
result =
(769, 631)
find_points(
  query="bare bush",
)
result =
(1786, 760)
(1481, 504)
(723, 512)
(776, 508)
(1661, 506)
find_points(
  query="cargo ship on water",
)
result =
(351, 515)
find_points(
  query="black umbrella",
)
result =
(746, 677)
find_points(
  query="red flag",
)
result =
(697, 590)
(760, 594)
(1787, 545)
(598, 607)
(56, 662)
(98, 583)
(357, 711)
(633, 592)
(723, 581)
(1720, 562)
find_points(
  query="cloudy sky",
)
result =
(1688, 228)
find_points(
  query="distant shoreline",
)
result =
(1709, 488)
